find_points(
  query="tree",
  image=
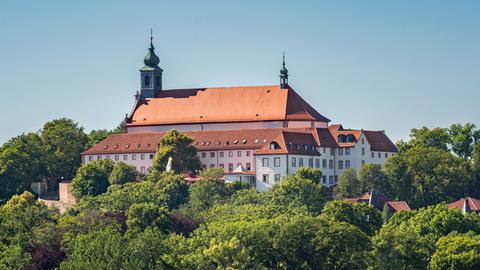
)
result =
(179, 147)
(204, 194)
(143, 215)
(102, 249)
(463, 138)
(95, 136)
(425, 176)
(348, 184)
(425, 137)
(361, 215)
(64, 140)
(122, 173)
(146, 250)
(212, 174)
(312, 174)
(21, 163)
(371, 177)
(92, 178)
(13, 257)
(457, 251)
(386, 213)
(172, 185)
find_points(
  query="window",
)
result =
(332, 151)
(373, 154)
(90, 158)
(310, 162)
(99, 157)
(212, 166)
(221, 154)
(204, 155)
(117, 157)
(230, 167)
(300, 162)
(230, 153)
(317, 163)
(221, 165)
(347, 151)
(142, 169)
(264, 162)
(134, 157)
(324, 150)
(239, 153)
(265, 178)
(340, 151)
(347, 164)
(330, 164)
(363, 151)
(125, 157)
(107, 157)
(363, 141)
(204, 167)
(277, 178)
(276, 162)
(212, 154)
(239, 164)
(336, 178)
(248, 153)
(330, 179)
(340, 164)
(249, 166)
(294, 162)
(324, 163)
(386, 155)
(142, 156)
(147, 80)
(379, 155)
(363, 162)
(324, 179)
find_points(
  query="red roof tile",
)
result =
(226, 104)
(472, 204)
(397, 206)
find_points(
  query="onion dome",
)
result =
(151, 59)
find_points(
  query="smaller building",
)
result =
(378, 200)
(466, 205)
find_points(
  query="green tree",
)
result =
(312, 174)
(463, 138)
(371, 177)
(64, 140)
(212, 174)
(172, 185)
(22, 161)
(363, 216)
(122, 173)
(13, 257)
(348, 184)
(179, 147)
(147, 250)
(386, 213)
(92, 178)
(204, 194)
(143, 215)
(457, 251)
(425, 137)
(425, 176)
(102, 250)
(95, 136)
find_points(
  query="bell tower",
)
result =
(150, 74)
(283, 75)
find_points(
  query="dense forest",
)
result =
(125, 220)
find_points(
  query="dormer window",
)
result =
(147, 80)
(273, 146)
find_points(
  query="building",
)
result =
(466, 205)
(257, 134)
(379, 200)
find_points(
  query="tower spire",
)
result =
(151, 73)
(283, 75)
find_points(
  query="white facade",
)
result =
(141, 161)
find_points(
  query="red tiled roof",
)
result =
(225, 104)
(296, 143)
(472, 204)
(379, 141)
(397, 206)
(208, 140)
(379, 200)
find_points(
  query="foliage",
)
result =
(22, 161)
(371, 177)
(143, 215)
(95, 136)
(92, 178)
(204, 194)
(308, 173)
(179, 147)
(425, 176)
(457, 251)
(12, 257)
(64, 140)
(212, 174)
(348, 185)
(463, 138)
(122, 173)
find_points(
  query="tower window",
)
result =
(147, 80)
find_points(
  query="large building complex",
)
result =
(257, 134)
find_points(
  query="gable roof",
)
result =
(378, 140)
(223, 104)
(378, 200)
(469, 204)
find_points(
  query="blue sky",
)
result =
(366, 64)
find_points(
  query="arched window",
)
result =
(147, 80)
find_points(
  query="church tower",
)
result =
(283, 75)
(150, 74)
